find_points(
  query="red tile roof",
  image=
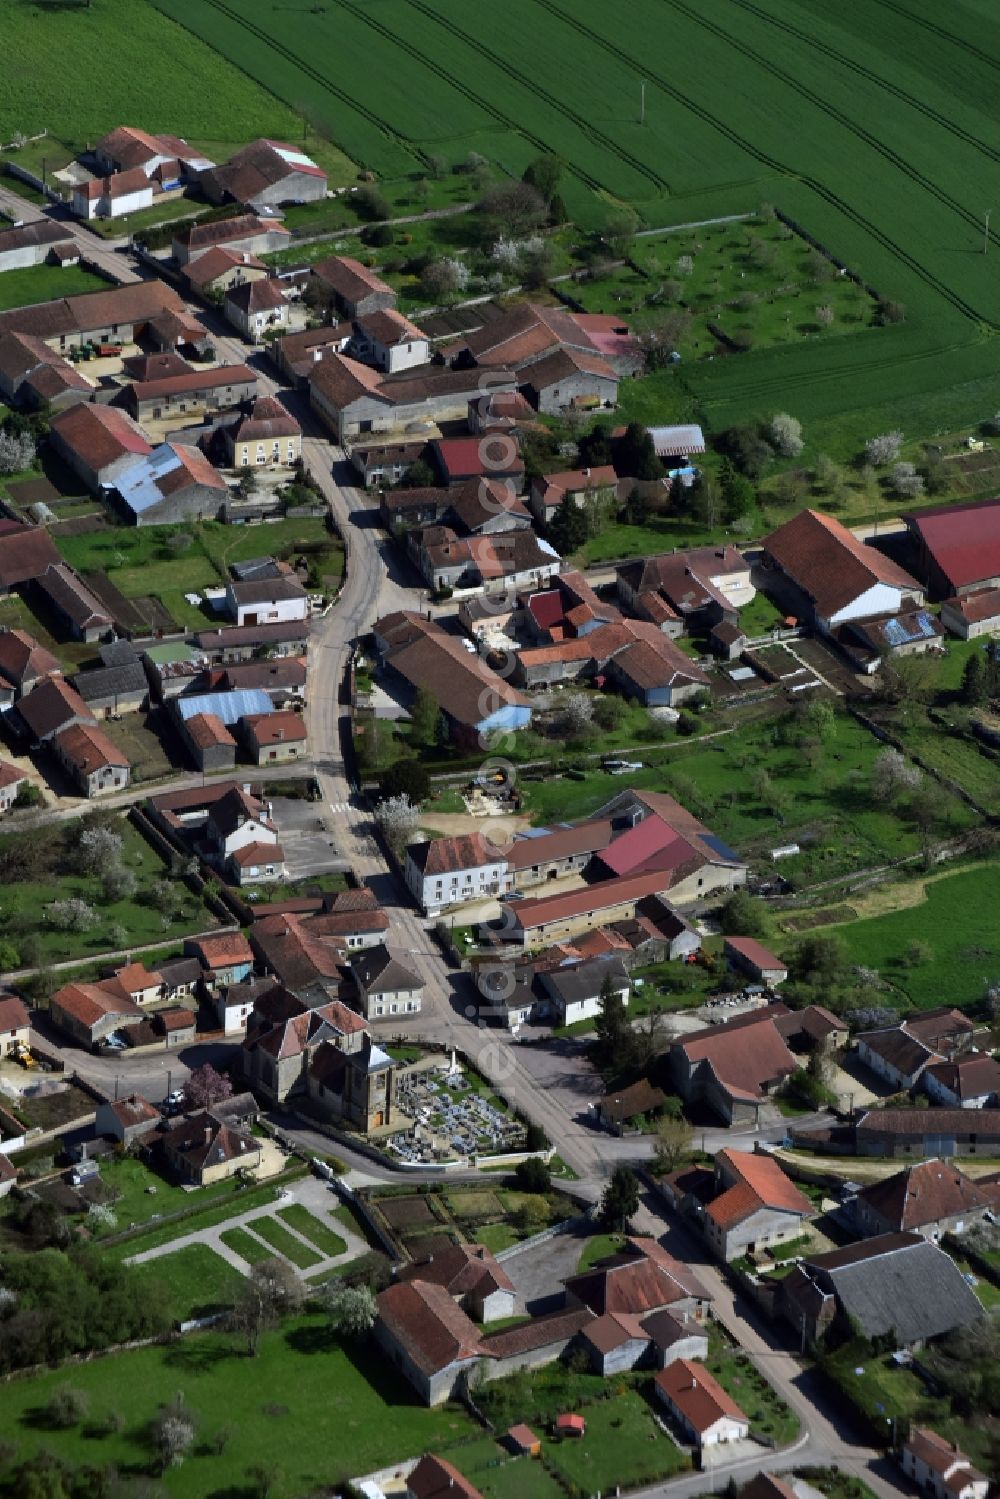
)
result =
(755, 953)
(87, 748)
(424, 1320)
(759, 1183)
(926, 1193)
(13, 1014)
(744, 1058)
(99, 435)
(25, 553)
(206, 730)
(696, 1395)
(436, 1478)
(830, 564)
(223, 950)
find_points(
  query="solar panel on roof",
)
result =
(718, 847)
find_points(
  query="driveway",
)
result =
(539, 1270)
(306, 836)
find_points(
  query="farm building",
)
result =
(33, 375)
(830, 577)
(245, 235)
(959, 547)
(389, 341)
(265, 174)
(116, 315)
(353, 289)
(259, 601)
(973, 614)
(755, 1205)
(217, 389)
(112, 197)
(168, 158)
(89, 757)
(755, 959)
(940, 1467)
(706, 1415)
(23, 245)
(98, 442)
(219, 269)
(174, 483)
(355, 400)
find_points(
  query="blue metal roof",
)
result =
(229, 706)
(718, 847)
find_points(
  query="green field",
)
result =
(45, 283)
(164, 79)
(23, 902)
(314, 1229)
(964, 944)
(200, 1281)
(314, 1410)
(870, 126)
(140, 561)
(827, 809)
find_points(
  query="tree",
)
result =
(785, 435)
(67, 1407)
(533, 1214)
(892, 312)
(206, 1087)
(705, 498)
(884, 449)
(672, 1144)
(118, 883)
(620, 1200)
(738, 493)
(513, 207)
(742, 914)
(73, 915)
(620, 232)
(892, 774)
(179, 543)
(270, 1292)
(635, 455)
(397, 818)
(172, 1433)
(537, 264)
(576, 714)
(101, 1219)
(97, 849)
(568, 527)
(819, 958)
(543, 175)
(748, 449)
(824, 315)
(425, 717)
(444, 278)
(370, 203)
(905, 481)
(975, 684)
(532, 1175)
(17, 452)
(611, 1026)
(406, 778)
(351, 1309)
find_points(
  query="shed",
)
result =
(568, 1425)
(523, 1441)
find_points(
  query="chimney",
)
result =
(208, 1134)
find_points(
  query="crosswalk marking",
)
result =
(340, 806)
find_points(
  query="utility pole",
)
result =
(642, 106)
(986, 236)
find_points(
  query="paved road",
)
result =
(103, 253)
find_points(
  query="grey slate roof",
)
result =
(580, 981)
(110, 681)
(899, 1283)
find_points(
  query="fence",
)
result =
(14, 170)
(568, 1225)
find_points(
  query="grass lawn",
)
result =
(139, 559)
(598, 1247)
(246, 1246)
(143, 1194)
(44, 283)
(768, 1414)
(301, 1387)
(313, 1229)
(199, 1280)
(964, 948)
(473, 1204)
(622, 1445)
(497, 1475)
(539, 1395)
(497, 1236)
(238, 1200)
(22, 907)
(286, 1244)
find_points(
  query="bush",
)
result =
(378, 235)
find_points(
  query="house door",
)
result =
(379, 1119)
(249, 619)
